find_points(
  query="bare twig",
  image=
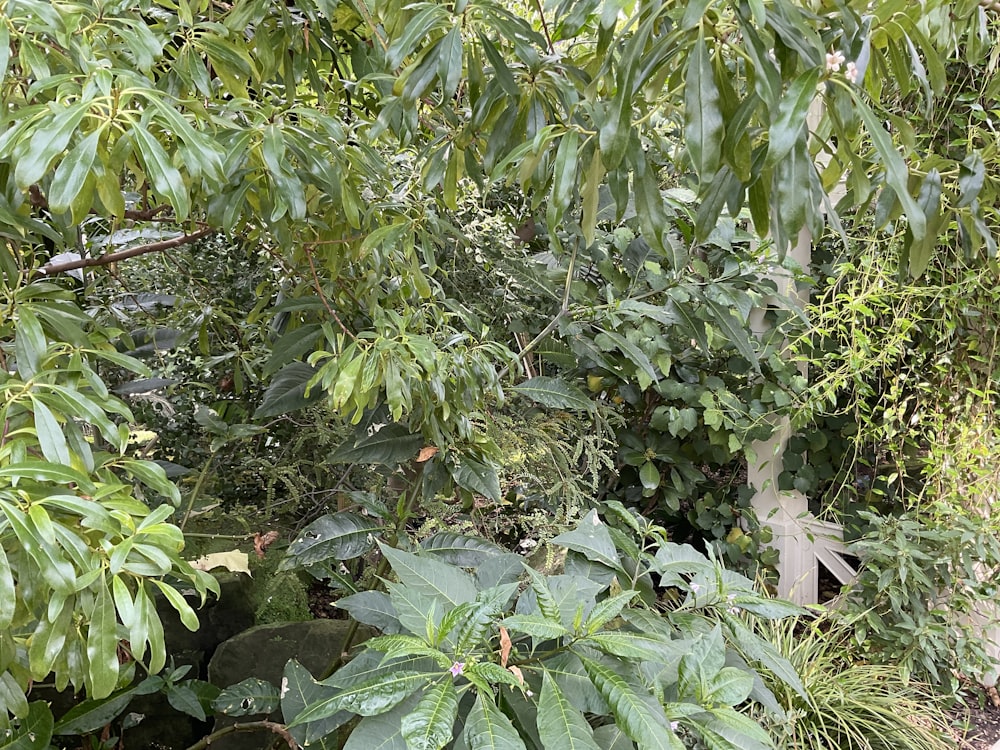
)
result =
(322, 297)
(50, 269)
(545, 27)
(247, 726)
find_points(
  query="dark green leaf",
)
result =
(560, 725)
(554, 393)
(251, 696)
(703, 125)
(337, 536)
(488, 728)
(288, 391)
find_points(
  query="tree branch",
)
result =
(50, 269)
(247, 726)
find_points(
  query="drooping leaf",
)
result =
(287, 391)
(460, 549)
(554, 393)
(299, 690)
(335, 536)
(251, 696)
(391, 445)
(372, 608)
(369, 698)
(102, 644)
(703, 124)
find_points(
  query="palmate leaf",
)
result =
(560, 725)
(335, 536)
(488, 728)
(638, 713)
(430, 725)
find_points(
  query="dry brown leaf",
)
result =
(505, 646)
(426, 453)
(262, 541)
(234, 561)
(517, 673)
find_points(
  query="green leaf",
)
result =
(102, 645)
(639, 714)
(72, 174)
(165, 177)
(430, 577)
(793, 192)
(729, 687)
(51, 439)
(30, 343)
(184, 699)
(649, 475)
(430, 726)
(591, 539)
(896, 174)
(8, 598)
(372, 608)
(970, 179)
(368, 698)
(477, 477)
(33, 732)
(755, 648)
(703, 125)
(91, 715)
(336, 536)
(535, 626)
(382, 732)
(929, 200)
(177, 601)
(48, 141)
(736, 331)
(727, 729)
(287, 391)
(390, 446)
(560, 725)
(607, 610)
(251, 696)
(611, 737)
(300, 690)
(563, 178)
(638, 646)
(554, 393)
(786, 128)
(488, 728)
(461, 550)
(701, 664)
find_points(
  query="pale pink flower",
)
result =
(834, 60)
(457, 668)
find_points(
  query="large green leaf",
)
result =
(369, 698)
(391, 445)
(288, 391)
(461, 550)
(591, 539)
(382, 732)
(48, 141)
(34, 732)
(785, 129)
(372, 608)
(560, 725)
(554, 393)
(72, 175)
(636, 711)
(335, 536)
(428, 576)
(102, 644)
(488, 728)
(430, 726)
(300, 690)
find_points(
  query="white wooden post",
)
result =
(802, 540)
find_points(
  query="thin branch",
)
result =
(50, 269)
(322, 297)
(563, 310)
(247, 726)
(545, 26)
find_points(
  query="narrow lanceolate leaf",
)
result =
(554, 393)
(792, 189)
(102, 645)
(7, 596)
(929, 201)
(563, 177)
(896, 173)
(792, 109)
(30, 343)
(560, 725)
(640, 715)
(431, 724)
(488, 728)
(72, 173)
(165, 176)
(703, 125)
(47, 142)
(51, 439)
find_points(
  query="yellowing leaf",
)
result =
(234, 561)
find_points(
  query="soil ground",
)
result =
(983, 723)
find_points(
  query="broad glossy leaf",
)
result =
(48, 141)
(287, 391)
(368, 698)
(535, 625)
(730, 686)
(555, 393)
(392, 445)
(30, 343)
(335, 536)
(727, 729)
(251, 696)
(611, 737)
(33, 732)
(560, 725)
(488, 728)
(757, 649)
(563, 177)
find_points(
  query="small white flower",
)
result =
(851, 72)
(834, 60)
(674, 725)
(695, 588)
